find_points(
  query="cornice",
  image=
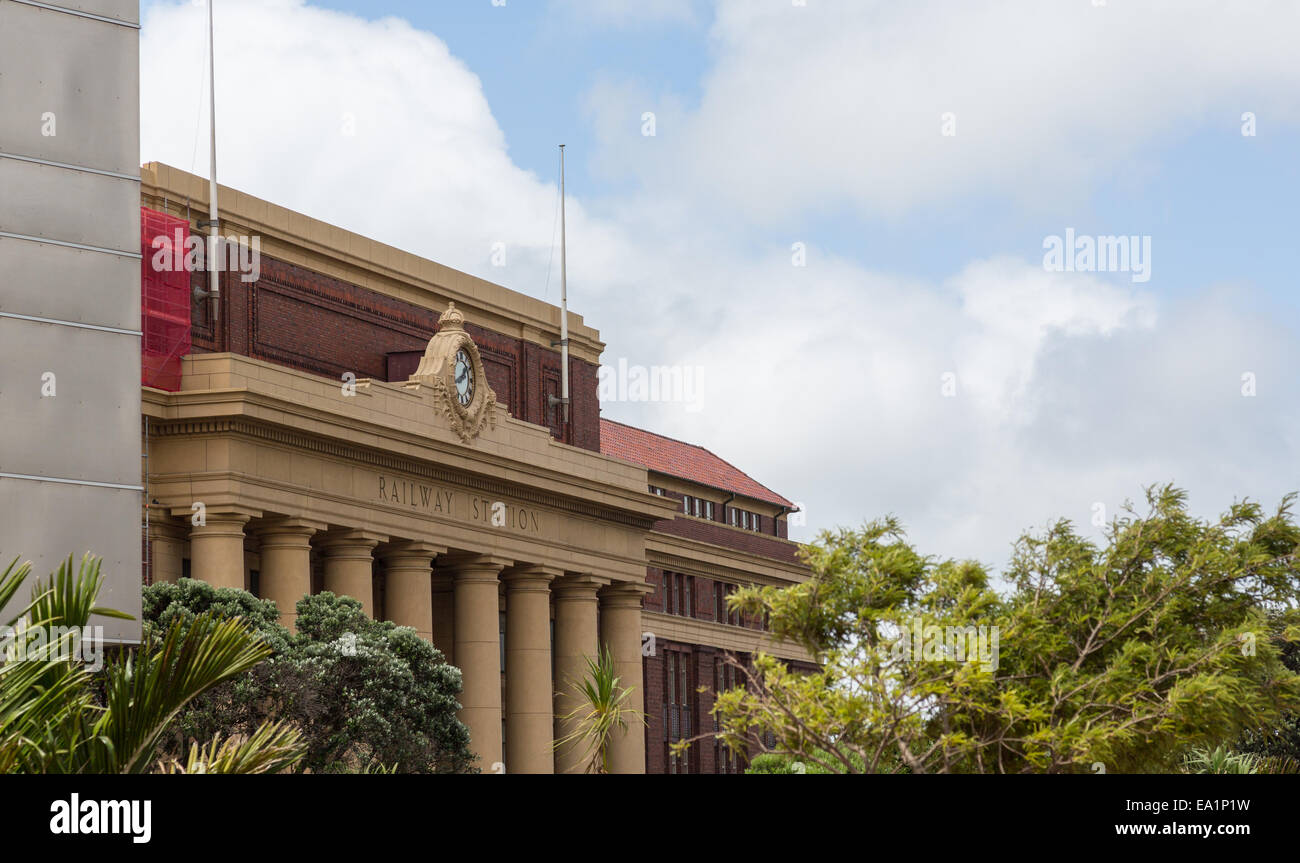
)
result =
(376, 458)
(666, 551)
(720, 636)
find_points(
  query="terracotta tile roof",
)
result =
(683, 460)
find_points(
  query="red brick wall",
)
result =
(652, 669)
(319, 324)
(654, 601)
(701, 659)
(703, 704)
(705, 607)
(729, 537)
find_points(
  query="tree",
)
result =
(1114, 657)
(603, 710)
(1279, 740)
(59, 714)
(366, 694)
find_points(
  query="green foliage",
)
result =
(367, 695)
(1219, 760)
(604, 710)
(59, 715)
(1124, 653)
(778, 763)
(1278, 741)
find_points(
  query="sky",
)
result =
(840, 212)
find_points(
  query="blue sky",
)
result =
(537, 60)
(821, 125)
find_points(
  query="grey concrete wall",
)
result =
(70, 468)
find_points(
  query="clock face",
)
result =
(464, 378)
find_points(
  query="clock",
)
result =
(450, 371)
(464, 377)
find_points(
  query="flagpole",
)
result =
(214, 280)
(564, 302)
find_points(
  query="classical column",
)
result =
(478, 651)
(529, 721)
(444, 614)
(620, 632)
(349, 566)
(408, 600)
(575, 643)
(217, 549)
(167, 548)
(286, 564)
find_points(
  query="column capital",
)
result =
(530, 577)
(345, 543)
(221, 522)
(461, 559)
(473, 567)
(285, 526)
(624, 594)
(164, 526)
(580, 583)
(211, 510)
(401, 548)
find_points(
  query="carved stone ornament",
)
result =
(452, 368)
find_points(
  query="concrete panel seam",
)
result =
(69, 166)
(79, 13)
(76, 324)
(86, 482)
(12, 236)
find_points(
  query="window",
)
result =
(501, 638)
(679, 594)
(654, 489)
(697, 507)
(725, 676)
(744, 519)
(679, 706)
(721, 613)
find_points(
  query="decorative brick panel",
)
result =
(728, 537)
(318, 324)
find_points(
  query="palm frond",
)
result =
(603, 711)
(273, 747)
(143, 694)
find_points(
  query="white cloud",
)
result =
(839, 102)
(370, 125)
